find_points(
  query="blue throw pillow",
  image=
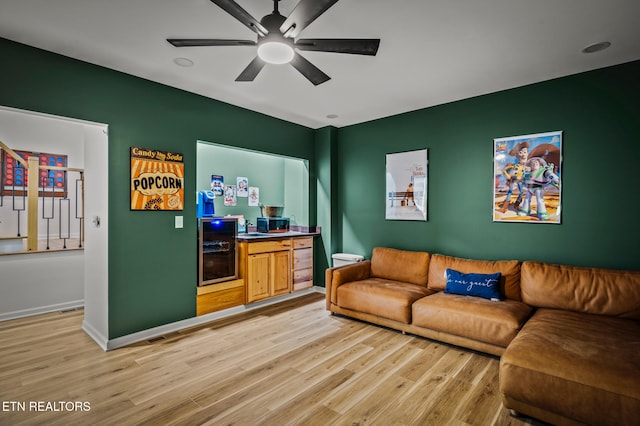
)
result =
(480, 285)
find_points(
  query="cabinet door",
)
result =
(281, 272)
(258, 282)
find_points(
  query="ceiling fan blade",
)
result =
(189, 42)
(305, 12)
(233, 9)
(356, 46)
(252, 70)
(310, 71)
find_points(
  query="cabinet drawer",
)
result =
(306, 242)
(302, 279)
(302, 258)
(302, 275)
(267, 246)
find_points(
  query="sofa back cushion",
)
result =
(509, 271)
(589, 290)
(400, 265)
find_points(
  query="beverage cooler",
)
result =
(217, 253)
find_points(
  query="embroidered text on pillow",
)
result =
(480, 285)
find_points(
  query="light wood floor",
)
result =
(290, 364)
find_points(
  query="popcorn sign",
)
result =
(157, 180)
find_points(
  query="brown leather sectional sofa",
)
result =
(568, 337)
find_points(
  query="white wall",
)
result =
(40, 282)
(96, 284)
(32, 283)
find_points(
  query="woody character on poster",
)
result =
(157, 180)
(527, 178)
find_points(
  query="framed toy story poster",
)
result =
(157, 180)
(527, 184)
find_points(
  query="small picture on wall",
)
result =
(52, 183)
(406, 185)
(527, 178)
(254, 196)
(230, 195)
(217, 184)
(242, 187)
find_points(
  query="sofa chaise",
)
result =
(577, 359)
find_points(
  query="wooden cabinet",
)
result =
(268, 269)
(216, 297)
(302, 265)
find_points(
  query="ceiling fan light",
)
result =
(275, 52)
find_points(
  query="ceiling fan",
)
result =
(277, 42)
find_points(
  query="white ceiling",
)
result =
(432, 51)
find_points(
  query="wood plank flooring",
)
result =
(287, 364)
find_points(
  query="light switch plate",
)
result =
(179, 222)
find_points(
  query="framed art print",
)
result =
(157, 180)
(528, 178)
(406, 185)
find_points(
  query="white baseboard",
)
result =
(100, 339)
(75, 304)
(150, 333)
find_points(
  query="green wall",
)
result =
(326, 192)
(598, 111)
(152, 265)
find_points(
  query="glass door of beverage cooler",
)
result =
(217, 254)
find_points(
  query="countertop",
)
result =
(253, 236)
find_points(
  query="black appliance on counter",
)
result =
(217, 254)
(272, 224)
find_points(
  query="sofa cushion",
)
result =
(579, 366)
(588, 290)
(480, 319)
(509, 270)
(479, 285)
(400, 265)
(380, 297)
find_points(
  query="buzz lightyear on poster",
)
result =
(527, 178)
